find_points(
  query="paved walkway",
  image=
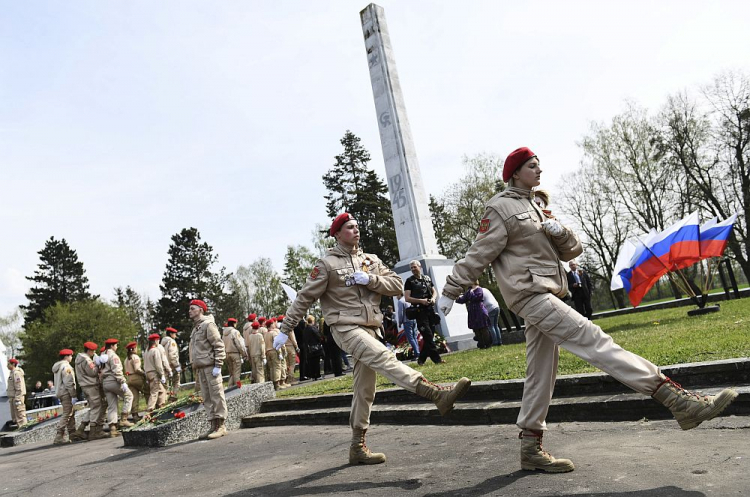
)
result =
(654, 459)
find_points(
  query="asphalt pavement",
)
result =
(644, 458)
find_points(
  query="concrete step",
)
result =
(693, 375)
(609, 407)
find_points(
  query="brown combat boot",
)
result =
(276, 385)
(60, 438)
(443, 397)
(219, 431)
(80, 434)
(211, 429)
(689, 408)
(124, 423)
(359, 453)
(534, 457)
(96, 433)
(113, 431)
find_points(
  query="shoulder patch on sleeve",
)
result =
(314, 273)
(91, 365)
(484, 225)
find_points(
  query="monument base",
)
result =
(453, 327)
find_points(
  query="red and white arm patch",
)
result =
(484, 225)
(314, 273)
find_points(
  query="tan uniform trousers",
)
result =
(67, 419)
(174, 382)
(370, 357)
(158, 393)
(551, 323)
(113, 390)
(18, 409)
(213, 394)
(257, 369)
(137, 384)
(102, 420)
(274, 365)
(94, 399)
(290, 356)
(196, 383)
(282, 365)
(234, 366)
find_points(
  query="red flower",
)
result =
(179, 415)
(239, 384)
(56, 414)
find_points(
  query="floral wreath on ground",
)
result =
(152, 418)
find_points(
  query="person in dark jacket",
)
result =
(314, 347)
(299, 332)
(479, 319)
(580, 286)
(332, 353)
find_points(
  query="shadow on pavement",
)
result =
(654, 492)
(295, 487)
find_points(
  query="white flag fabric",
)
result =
(290, 292)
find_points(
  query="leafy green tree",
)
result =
(69, 325)
(140, 309)
(190, 275)
(356, 189)
(59, 277)
(299, 262)
(10, 330)
(267, 297)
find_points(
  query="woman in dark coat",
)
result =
(314, 348)
(479, 319)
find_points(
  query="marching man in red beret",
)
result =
(65, 390)
(16, 392)
(207, 356)
(349, 284)
(256, 350)
(115, 386)
(524, 247)
(87, 374)
(136, 377)
(172, 353)
(235, 349)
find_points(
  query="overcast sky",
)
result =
(122, 122)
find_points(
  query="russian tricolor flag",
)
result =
(715, 236)
(647, 260)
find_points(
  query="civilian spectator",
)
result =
(493, 310)
(479, 320)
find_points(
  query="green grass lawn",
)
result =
(664, 337)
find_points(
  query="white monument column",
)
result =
(411, 212)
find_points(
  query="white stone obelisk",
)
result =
(411, 212)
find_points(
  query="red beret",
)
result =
(280, 318)
(231, 320)
(271, 320)
(171, 330)
(154, 336)
(111, 341)
(339, 222)
(102, 349)
(261, 319)
(131, 345)
(251, 317)
(516, 159)
(90, 346)
(64, 352)
(200, 304)
(13, 361)
(255, 325)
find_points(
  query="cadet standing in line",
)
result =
(350, 284)
(208, 356)
(87, 374)
(172, 353)
(115, 385)
(272, 357)
(136, 377)
(102, 421)
(525, 247)
(153, 366)
(273, 328)
(16, 393)
(248, 325)
(235, 349)
(256, 349)
(65, 390)
(290, 355)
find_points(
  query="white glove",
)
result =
(163, 379)
(97, 361)
(280, 340)
(103, 358)
(216, 371)
(553, 227)
(18, 402)
(361, 278)
(265, 361)
(178, 369)
(445, 304)
(124, 387)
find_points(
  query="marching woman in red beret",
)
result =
(65, 384)
(525, 247)
(349, 284)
